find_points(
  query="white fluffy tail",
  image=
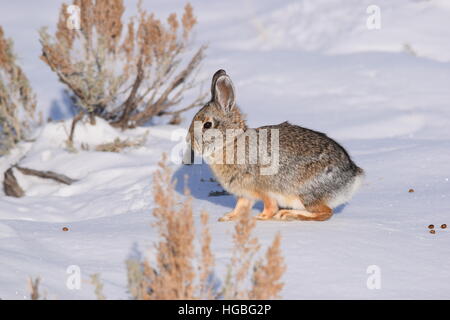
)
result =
(346, 193)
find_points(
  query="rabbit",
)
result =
(314, 173)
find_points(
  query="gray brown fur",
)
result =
(312, 166)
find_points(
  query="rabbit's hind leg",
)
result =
(319, 212)
(270, 207)
(243, 205)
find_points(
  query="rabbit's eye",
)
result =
(207, 125)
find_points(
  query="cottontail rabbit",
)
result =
(313, 172)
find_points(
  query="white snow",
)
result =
(384, 94)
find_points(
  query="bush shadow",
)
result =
(62, 108)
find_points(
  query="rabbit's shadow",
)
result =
(202, 185)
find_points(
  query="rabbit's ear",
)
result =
(216, 76)
(223, 91)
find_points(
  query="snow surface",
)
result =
(384, 94)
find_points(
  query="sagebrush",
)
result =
(126, 73)
(181, 272)
(17, 100)
(183, 267)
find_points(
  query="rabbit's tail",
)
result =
(359, 171)
(347, 191)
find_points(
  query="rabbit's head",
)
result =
(220, 113)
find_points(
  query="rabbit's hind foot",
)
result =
(313, 213)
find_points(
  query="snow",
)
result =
(313, 63)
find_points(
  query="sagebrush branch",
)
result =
(12, 188)
(126, 74)
(17, 100)
(58, 177)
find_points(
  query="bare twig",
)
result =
(47, 175)
(130, 104)
(163, 102)
(10, 185)
(75, 120)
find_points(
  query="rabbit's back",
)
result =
(311, 165)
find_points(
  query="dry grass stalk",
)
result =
(124, 73)
(33, 287)
(118, 145)
(206, 266)
(97, 283)
(244, 250)
(174, 276)
(135, 274)
(267, 274)
(17, 101)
